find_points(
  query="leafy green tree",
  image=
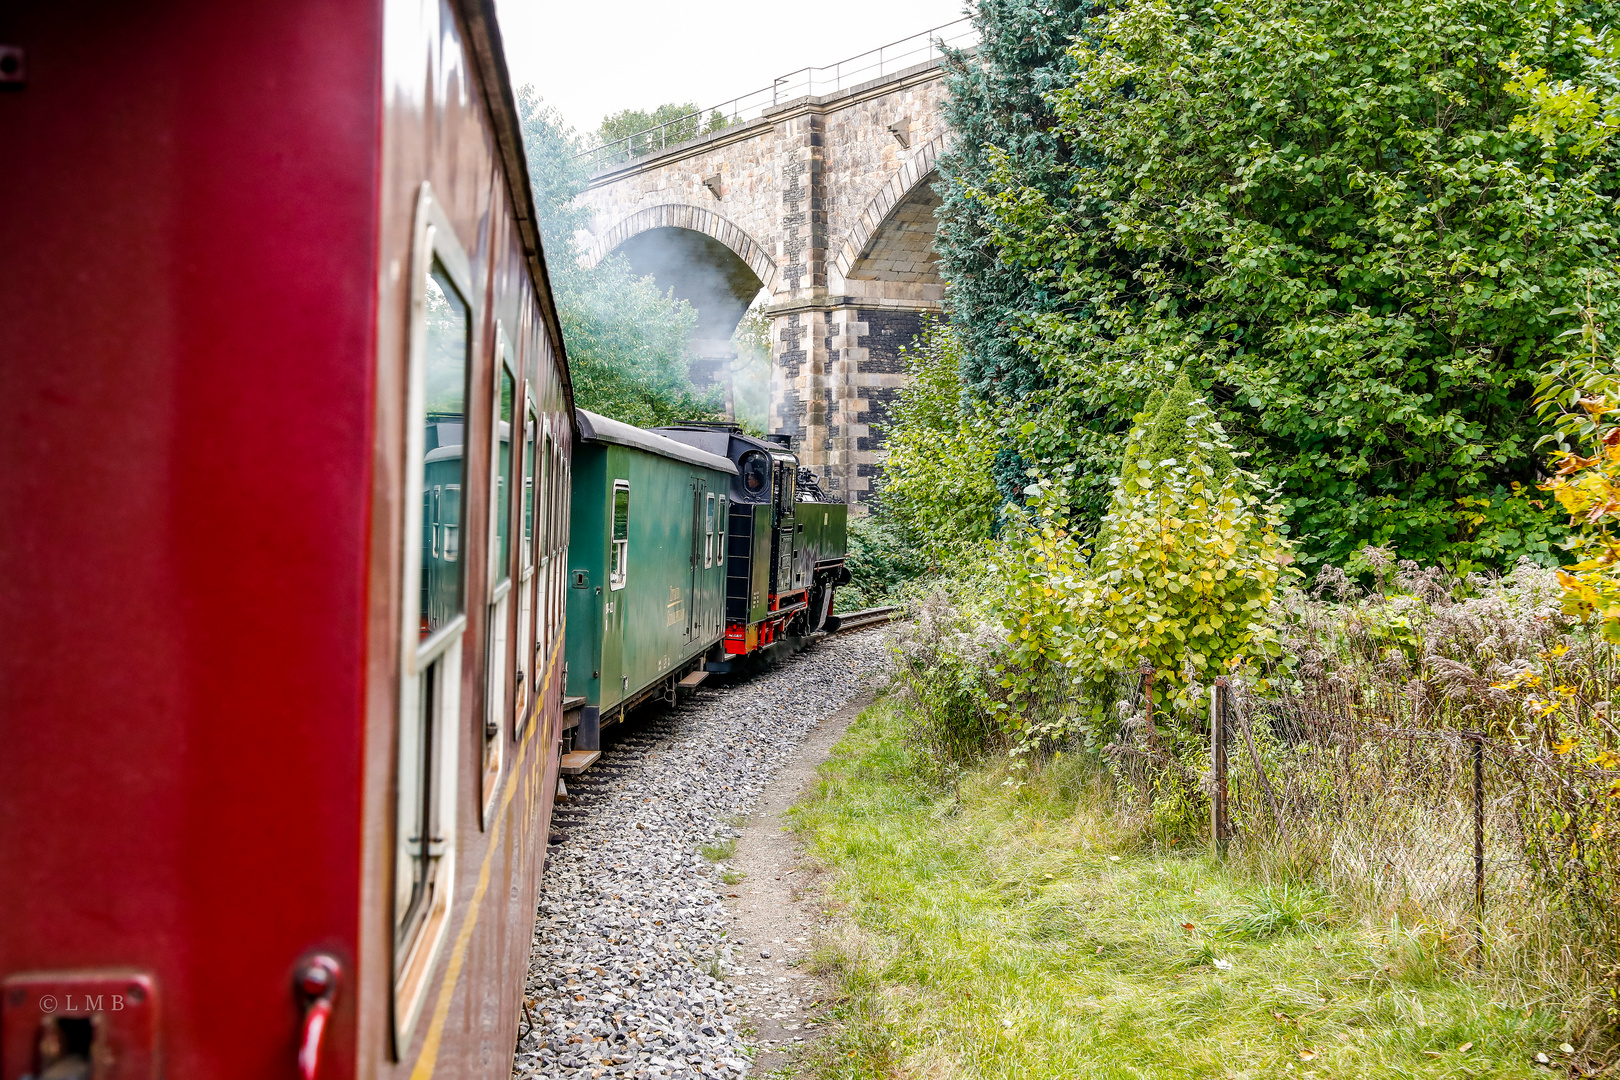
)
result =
(1579, 395)
(938, 489)
(1181, 577)
(997, 105)
(751, 370)
(630, 133)
(627, 341)
(1326, 214)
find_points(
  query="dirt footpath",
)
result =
(775, 915)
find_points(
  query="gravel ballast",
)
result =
(630, 972)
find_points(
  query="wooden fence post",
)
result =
(1145, 669)
(1219, 826)
(1477, 749)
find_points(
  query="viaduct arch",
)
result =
(827, 204)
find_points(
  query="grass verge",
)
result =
(994, 931)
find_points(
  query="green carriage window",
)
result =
(621, 535)
(708, 530)
(621, 513)
(444, 466)
(503, 477)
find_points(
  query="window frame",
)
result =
(528, 534)
(708, 529)
(530, 513)
(544, 525)
(501, 577)
(618, 556)
(500, 694)
(412, 961)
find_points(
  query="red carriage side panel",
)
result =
(188, 302)
(446, 1002)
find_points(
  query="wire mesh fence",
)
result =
(1442, 820)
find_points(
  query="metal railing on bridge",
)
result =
(806, 82)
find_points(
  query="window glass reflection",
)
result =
(529, 464)
(503, 476)
(620, 569)
(444, 464)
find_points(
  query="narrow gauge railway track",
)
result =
(872, 616)
(631, 969)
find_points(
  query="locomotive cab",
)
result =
(785, 539)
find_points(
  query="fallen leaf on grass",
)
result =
(1465, 1047)
(1188, 926)
(1307, 1055)
(1434, 1053)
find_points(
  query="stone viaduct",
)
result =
(824, 202)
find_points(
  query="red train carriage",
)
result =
(284, 461)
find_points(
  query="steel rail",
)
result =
(859, 620)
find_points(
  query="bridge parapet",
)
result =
(855, 73)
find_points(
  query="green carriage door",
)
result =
(615, 680)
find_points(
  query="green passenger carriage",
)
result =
(647, 567)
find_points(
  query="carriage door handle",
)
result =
(317, 984)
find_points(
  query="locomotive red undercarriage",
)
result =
(745, 638)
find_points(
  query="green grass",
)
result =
(1016, 932)
(720, 850)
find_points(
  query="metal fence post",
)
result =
(1219, 826)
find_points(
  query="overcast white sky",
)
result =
(590, 58)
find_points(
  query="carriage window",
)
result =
(621, 535)
(529, 466)
(434, 614)
(560, 535)
(445, 356)
(548, 519)
(450, 514)
(720, 533)
(708, 531)
(503, 476)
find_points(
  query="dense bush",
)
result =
(938, 491)
(1178, 582)
(1329, 217)
(881, 564)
